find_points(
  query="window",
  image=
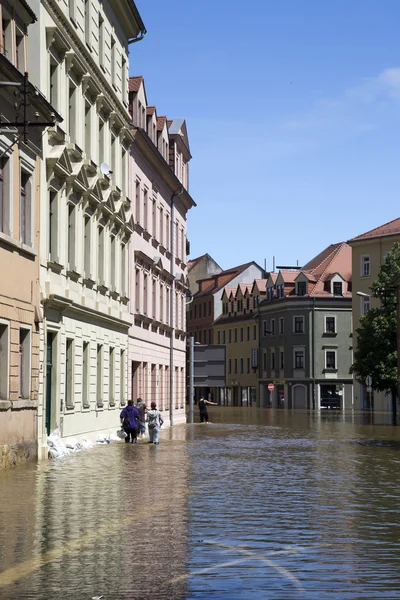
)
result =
(85, 375)
(69, 373)
(72, 109)
(272, 326)
(273, 360)
(230, 336)
(281, 359)
(24, 371)
(205, 336)
(264, 360)
(230, 366)
(223, 337)
(6, 36)
(71, 237)
(113, 264)
(154, 218)
(88, 130)
(195, 311)
(281, 326)
(111, 377)
(122, 376)
(99, 371)
(4, 360)
(204, 309)
(248, 334)
(330, 324)
(4, 196)
(241, 365)
(254, 332)
(88, 29)
(113, 63)
(20, 50)
(123, 77)
(153, 302)
(298, 324)
(337, 288)
(265, 328)
(145, 278)
(102, 132)
(167, 232)
(25, 212)
(218, 337)
(101, 41)
(365, 304)
(241, 334)
(236, 336)
(137, 202)
(235, 366)
(248, 365)
(299, 359)
(114, 163)
(365, 266)
(209, 308)
(53, 227)
(209, 336)
(87, 238)
(53, 83)
(330, 359)
(145, 208)
(100, 256)
(200, 311)
(301, 288)
(123, 271)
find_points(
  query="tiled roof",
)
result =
(243, 287)
(391, 228)
(160, 123)
(289, 276)
(217, 282)
(335, 259)
(169, 123)
(228, 291)
(249, 316)
(261, 284)
(150, 110)
(135, 83)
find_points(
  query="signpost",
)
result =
(271, 388)
(368, 383)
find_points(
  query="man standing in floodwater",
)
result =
(203, 409)
(142, 408)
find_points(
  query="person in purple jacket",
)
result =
(130, 417)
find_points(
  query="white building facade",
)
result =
(158, 177)
(81, 66)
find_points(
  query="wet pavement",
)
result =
(260, 504)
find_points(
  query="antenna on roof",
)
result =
(273, 264)
(265, 266)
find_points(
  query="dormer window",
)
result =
(337, 288)
(301, 288)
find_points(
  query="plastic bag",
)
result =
(121, 434)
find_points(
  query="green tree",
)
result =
(376, 352)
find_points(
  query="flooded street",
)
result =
(260, 504)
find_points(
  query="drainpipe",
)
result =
(172, 310)
(313, 353)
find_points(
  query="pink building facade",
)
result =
(158, 187)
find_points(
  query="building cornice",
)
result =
(65, 304)
(154, 157)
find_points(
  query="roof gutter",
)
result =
(140, 23)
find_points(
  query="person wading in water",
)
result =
(203, 409)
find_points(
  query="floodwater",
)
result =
(261, 504)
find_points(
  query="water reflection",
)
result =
(260, 504)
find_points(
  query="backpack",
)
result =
(153, 418)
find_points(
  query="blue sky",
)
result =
(293, 115)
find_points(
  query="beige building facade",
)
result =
(20, 178)
(80, 64)
(368, 254)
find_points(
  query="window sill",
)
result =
(54, 265)
(365, 276)
(329, 334)
(7, 239)
(330, 371)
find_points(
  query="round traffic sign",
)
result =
(271, 387)
(368, 380)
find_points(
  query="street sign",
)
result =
(369, 389)
(271, 387)
(368, 381)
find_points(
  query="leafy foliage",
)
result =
(376, 353)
